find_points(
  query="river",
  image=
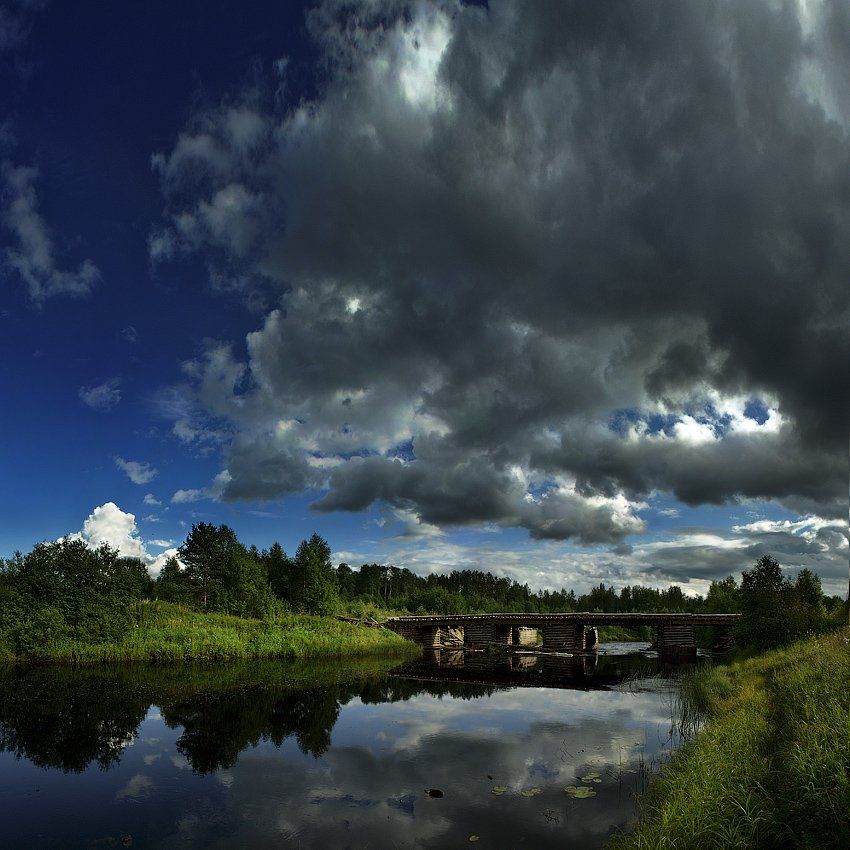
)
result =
(443, 752)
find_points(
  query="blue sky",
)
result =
(300, 269)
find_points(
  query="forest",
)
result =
(66, 590)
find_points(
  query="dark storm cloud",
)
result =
(495, 228)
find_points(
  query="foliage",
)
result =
(776, 611)
(772, 767)
(312, 584)
(171, 584)
(279, 571)
(67, 591)
(222, 575)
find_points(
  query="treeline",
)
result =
(68, 590)
(475, 592)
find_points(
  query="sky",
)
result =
(558, 290)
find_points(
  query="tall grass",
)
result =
(772, 766)
(166, 632)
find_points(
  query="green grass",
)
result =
(171, 633)
(772, 766)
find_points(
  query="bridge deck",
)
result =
(582, 617)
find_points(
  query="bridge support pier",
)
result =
(431, 637)
(479, 635)
(676, 640)
(560, 637)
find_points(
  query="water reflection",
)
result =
(248, 756)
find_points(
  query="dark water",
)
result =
(269, 755)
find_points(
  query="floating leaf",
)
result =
(590, 777)
(474, 838)
(530, 792)
(580, 792)
(500, 789)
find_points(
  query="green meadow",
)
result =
(166, 632)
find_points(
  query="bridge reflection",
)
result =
(586, 671)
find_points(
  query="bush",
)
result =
(66, 590)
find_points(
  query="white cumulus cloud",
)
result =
(108, 524)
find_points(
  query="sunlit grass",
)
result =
(772, 766)
(169, 633)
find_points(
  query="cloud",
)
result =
(212, 492)
(129, 334)
(16, 19)
(150, 499)
(34, 260)
(532, 264)
(156, 565)
(137, 786)
(138, 472)
(690, 557)
(103, 396)
(107, 523)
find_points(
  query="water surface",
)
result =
(428, 754)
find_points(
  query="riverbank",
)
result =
(169, 633)
(772, 766)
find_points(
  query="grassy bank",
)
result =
(772, 767)
(168, 633)
(621, 633)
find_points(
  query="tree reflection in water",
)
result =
(68, 719)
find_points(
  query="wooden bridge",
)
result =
(675, 633)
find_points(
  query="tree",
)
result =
(137, 576)
(171, 584)
(723, 597)
(345, 581)
(279, 570)
(67, 589)
(205, 554)
(313, 586)
(809, 590)
(766, 602)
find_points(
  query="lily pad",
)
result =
(592, 777)
(474, 838)
(531, 792)
(580, 792)
(499, 789)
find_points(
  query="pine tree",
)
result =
(206, 554)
